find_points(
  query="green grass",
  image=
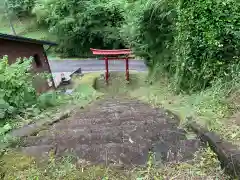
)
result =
(118, 84)
(15, 165)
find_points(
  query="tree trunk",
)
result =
(9, 18)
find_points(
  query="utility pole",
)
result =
(9, 18)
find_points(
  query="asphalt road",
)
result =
(93, 65)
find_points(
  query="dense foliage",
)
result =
(81, 25)
(195, 42)
(151, 32)
(16, 90)
(21, 7)
(207, 42)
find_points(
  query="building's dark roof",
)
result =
(24, 39)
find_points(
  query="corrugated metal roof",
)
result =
(24, 39)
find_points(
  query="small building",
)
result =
(19, 47)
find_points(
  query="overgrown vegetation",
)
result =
(16, 90)
(193, 42)
(207, 43)
(149, 31)
(80, 25)
(20, 104)
(17, 94)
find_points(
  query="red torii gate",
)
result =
(113, 55)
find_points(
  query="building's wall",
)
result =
(14, 50)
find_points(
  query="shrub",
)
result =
(81, 25)
(16, 90)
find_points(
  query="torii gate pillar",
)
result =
(113, 55)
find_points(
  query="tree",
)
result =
(8, 15)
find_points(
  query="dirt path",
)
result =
(118, 131)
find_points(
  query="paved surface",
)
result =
(115, 131)
(92, 65)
